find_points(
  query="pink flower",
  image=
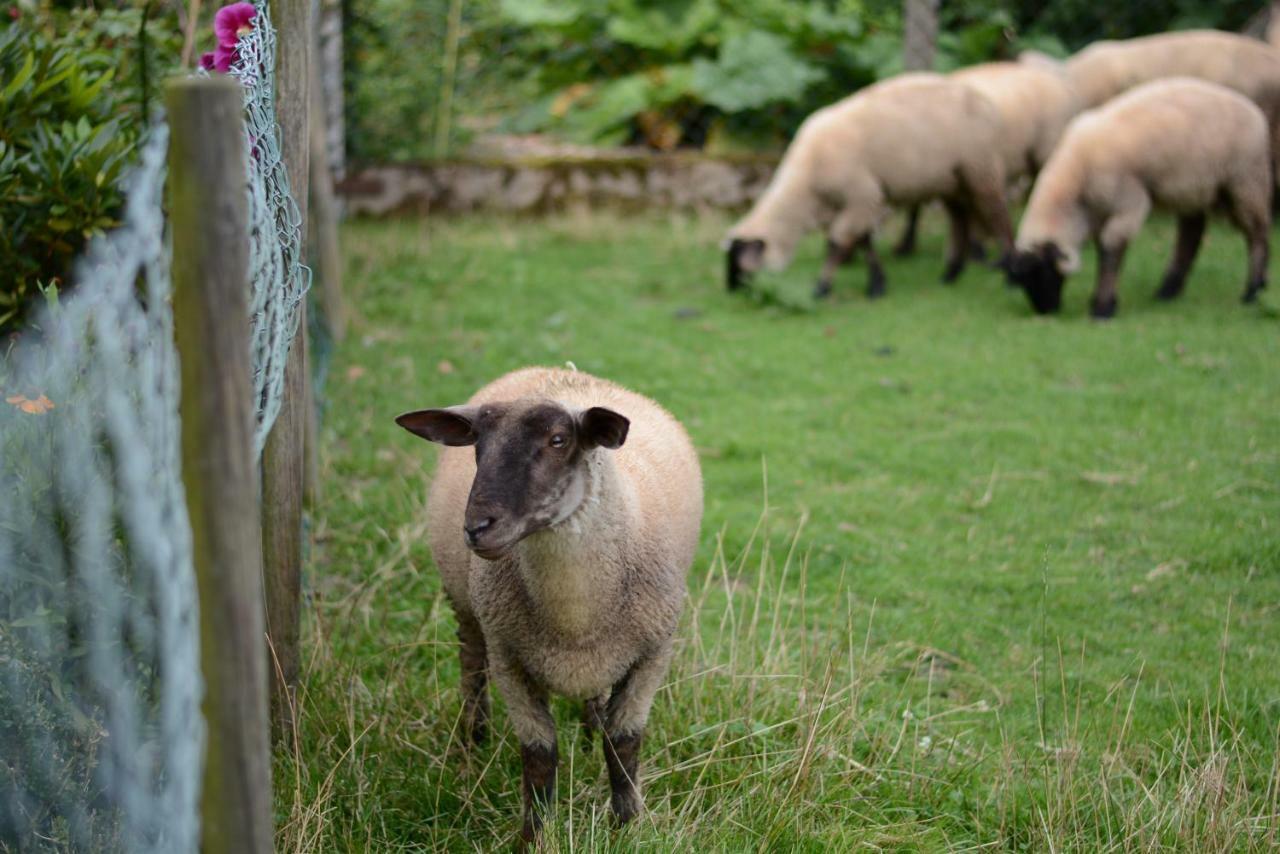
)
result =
(220, 60)
(232, 22)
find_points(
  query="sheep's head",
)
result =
(531, 463)
(745, 257)
(1040, 272)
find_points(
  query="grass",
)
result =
(969, 578)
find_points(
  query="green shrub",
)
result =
(72, 93)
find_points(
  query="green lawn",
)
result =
(968, 577)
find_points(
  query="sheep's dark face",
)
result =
(745, 257)
(1039, 273)
(531, 463)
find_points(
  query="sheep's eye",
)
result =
(558, 440)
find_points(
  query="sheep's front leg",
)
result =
(1104, 301)
(875, 273)
(851, 229)
(625, 720)
(837, 256)
(536, 730)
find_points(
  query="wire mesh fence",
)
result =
(100, 686)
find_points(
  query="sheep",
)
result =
(906, 140)
(1035, 104)
(1107, 68)
(563, 543)
(1180, 143)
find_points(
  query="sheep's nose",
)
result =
(474, 531)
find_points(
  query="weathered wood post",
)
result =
(284, 457)
(208, 212)
(323, 218)
(919, 34)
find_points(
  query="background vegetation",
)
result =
(76, 83)
(707, 73)
(968, 577)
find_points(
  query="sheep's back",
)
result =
(1183, 138)
(1250, 67)
(1035, 105)
(912, 133)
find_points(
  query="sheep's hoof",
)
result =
(953, 270)
(822, 290)
(904, 249)
(1170, 288)
(1103, 309)
(1251, 293)
(626, 806)
(876, 288)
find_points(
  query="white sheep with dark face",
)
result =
(563, 541)
(1182, 144)
(911, 139)
(1035, 102)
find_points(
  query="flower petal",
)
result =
(230, 20)
(223, 57)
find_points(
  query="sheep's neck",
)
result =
(573, 571)
(1071, 221)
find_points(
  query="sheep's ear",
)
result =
(1063, 262)
(452, 426)
(744, 257)
(602, 428)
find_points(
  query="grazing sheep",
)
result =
(1105, 69)
(906, 140)
(1035, 105)
(563, 542)
(1183, 144)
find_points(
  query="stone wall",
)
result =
(539, 184)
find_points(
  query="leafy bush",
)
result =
(682, 72)
(72, 94)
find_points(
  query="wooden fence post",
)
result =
(323, 219)
(284, 456)
(208, 212)
(919, 34)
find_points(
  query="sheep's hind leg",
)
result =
(625, 720)
(984, 186)
(1190, 235)
(1251, 216)
(958, 244)
(475, 681)
(907, 243)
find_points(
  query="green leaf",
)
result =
(20, 79)
(610, 108)
(753, 69)
(540, 13)
(671, 27)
